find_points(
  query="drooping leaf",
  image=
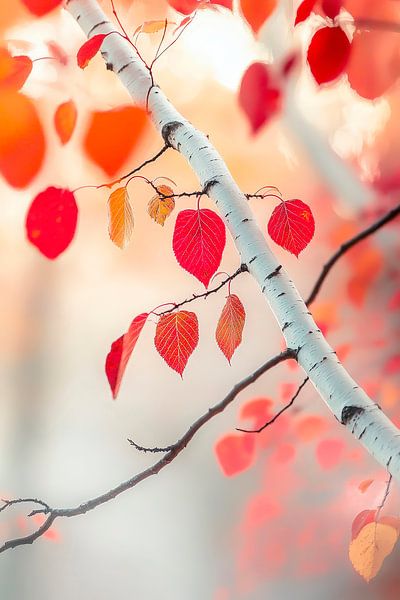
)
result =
(259, 96)
(65, 120)
(369, 549)
(120, 217)
(41, 7)
(361, 520)
(292, 225)
(331, 7)
(230, 326)
(328, 54)
(22, 141)
(113, 134)
(177, 335)
(304, 11)
(151, 27)
(198, 242)
(160, 208)
(256, 12)
(89, 49)
(235, 453)
(186, 7)
(51, 221)
(14, 70)
(120, 353)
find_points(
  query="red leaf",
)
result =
(235, 453)
(106, 141)
(259, 95)
(392, 365)
(14, 70)
(51, 221)
(198, 242)
(41, 7)
(332, 7)
(186, 7)
(65, 120)
(22, 142)
(230, 326)
(177, 335)
(257, 411)
(304, 11)
(292, 225)
(89, 49)
(362, 519)
(121, 351)
(256, 12)
(328, 54)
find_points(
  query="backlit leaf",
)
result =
(51, 221)
(235, 453)
(22, 142)
(370, 548)
(89, 49)
(230, 326)
(160, 208)
(151, 27)
(361, 520)
(41, 7)
(112, 135)
(331, 7)
(186, 7)
(328, 54)
(14, 70)
(364, 485)
(256, 12)
(65, 120)
(177, 335)
(120, 353)
(198, 242)
(120, 217)
(292, 225)
(259, 96)
(304, 10)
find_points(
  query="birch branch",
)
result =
(347, 401)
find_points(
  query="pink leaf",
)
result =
(120, 353)
(198, 242)
(292, 225)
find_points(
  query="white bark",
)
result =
(348, 402)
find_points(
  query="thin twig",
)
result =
(278, 414)
(385, 496)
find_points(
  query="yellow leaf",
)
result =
(152, 26)
(120, 217)
(370, 548)
(160, 208)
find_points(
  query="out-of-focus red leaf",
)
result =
(89, 49)
(186, 7)
(107, 141)
(41, 7)
(364, 485)
(14, 70)
(329, 453)
(230, 326)
(256, 12)
(292, 225)
(392, 365)
(284, 453)
(304, 11)
(328, 54)
(177, 335)
(394, 302)
(257, 411)
(308, 428)
(22, 142)
(374, 64)
(120, 353)
(58, 53)
(259, 96)
(198, 242)
(235, 453)
(366, 266)
(259, 510)
(65, 120)
(51, 221)
(332, 7)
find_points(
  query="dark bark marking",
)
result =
(95, 27)
(124, 67)
(169, 129)
(349, 412)
(252, 259)
(274, 273)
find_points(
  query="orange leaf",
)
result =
(89, 49)
(120, 353)
(256, 12)
(364, 485)
(112, 135)
(22, 142)
(177, 335)
(370, 548)
(151, 26)
(120, 217)
(65, 120)
(230, 326)
(160, 208)
(14, 70)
